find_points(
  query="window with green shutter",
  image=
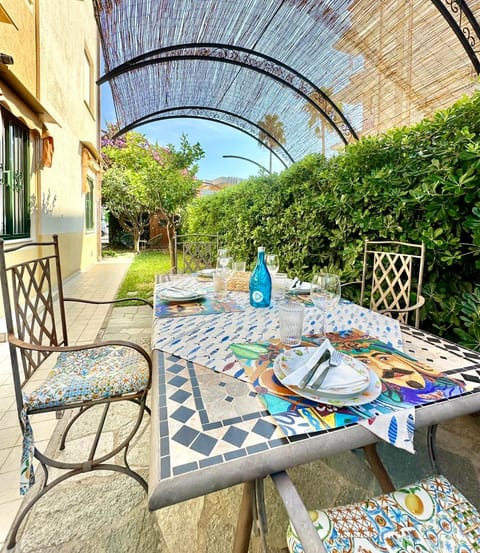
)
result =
(14, 177)
(89, 206)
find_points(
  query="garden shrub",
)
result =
(413, 184)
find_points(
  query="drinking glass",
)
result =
(291, 316)
(273, 262)
(223, 259)
(279, 286)
(325, 293)
(220, 278)
(239, 266)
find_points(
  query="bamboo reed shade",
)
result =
(330, 70)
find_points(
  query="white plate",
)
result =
(206, 273)
(345, 398)
(299, 291)
(178, 297)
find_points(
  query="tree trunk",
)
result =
(171, 233)
(136, 239)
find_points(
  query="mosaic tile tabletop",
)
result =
(210, 431)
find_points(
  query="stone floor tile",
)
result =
(9, 437)
(8, 512)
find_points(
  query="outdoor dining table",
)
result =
(213, 425)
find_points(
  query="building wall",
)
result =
(19, 38)
(49, 41)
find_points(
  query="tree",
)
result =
(316, 117)
(178, 186)
(271, 126)
(142, 179)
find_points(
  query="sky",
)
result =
(216, 140)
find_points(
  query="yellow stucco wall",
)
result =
(62, 86)
(18, 39)
(48, 41)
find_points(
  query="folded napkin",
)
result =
(344, 377)
(395, 428)
(296, 376)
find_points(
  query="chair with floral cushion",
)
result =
(429, 516)
(51, 375)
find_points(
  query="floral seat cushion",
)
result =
(429, 516)
(84, 375)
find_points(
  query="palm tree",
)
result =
(271, 126)
(316, 116)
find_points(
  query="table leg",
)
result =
(245, 519)
(378, 469)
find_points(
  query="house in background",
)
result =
(50, 127)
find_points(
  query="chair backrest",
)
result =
(198, 250)
(33, 302)
(392, 276)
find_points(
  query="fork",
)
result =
(306, 379)
(335, 360)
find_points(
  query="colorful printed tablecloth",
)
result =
(405, 383)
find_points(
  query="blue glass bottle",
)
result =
(260, 282)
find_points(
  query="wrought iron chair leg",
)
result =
(432, 448)
(99, 432)
(138, 402)
(71, 422)
(12, 536)
(45, 462)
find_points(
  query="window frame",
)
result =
(90, 205)
(15, 148)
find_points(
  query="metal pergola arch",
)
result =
(463, 23)
(201, 112)
(429, 47)
(226, 53)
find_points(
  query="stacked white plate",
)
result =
(178, 295)
(352, 384)
(206, 273)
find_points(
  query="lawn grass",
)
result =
(140, 278)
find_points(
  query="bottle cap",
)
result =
(261, 248)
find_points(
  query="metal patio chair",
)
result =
(392, 278)
(199, 251)
(83, 376)
(429, 515)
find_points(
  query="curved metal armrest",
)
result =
(420, 303)
(122, 300)
(12, 339)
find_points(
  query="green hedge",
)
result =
(414, 184)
